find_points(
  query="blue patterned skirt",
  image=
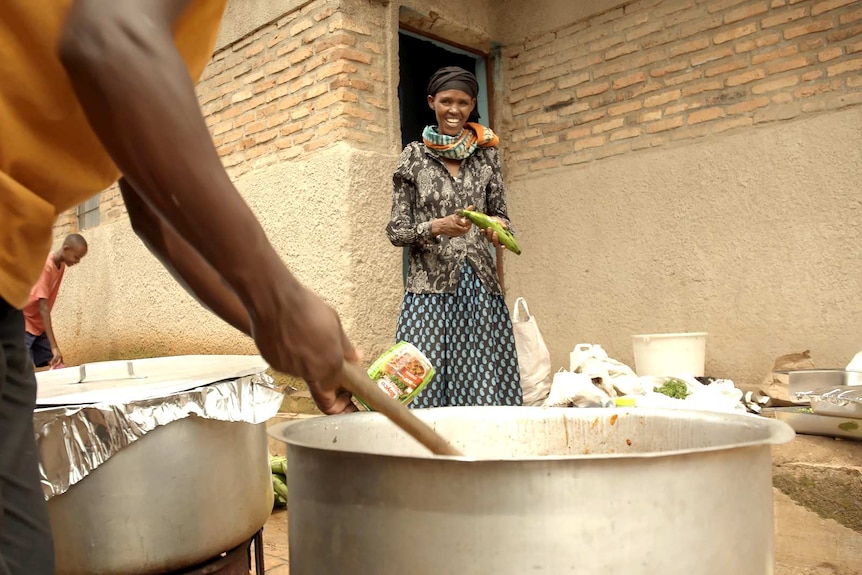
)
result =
(468, 337)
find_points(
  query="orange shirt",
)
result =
(46, 288)
(50, 159)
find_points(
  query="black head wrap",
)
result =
(453, 78)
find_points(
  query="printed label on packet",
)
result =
(402, 372)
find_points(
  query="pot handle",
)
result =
(130, 374)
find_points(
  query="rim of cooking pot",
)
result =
(774, 432)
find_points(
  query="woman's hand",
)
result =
(452, 225)
(491, 235)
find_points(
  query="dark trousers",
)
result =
(40, 348)
(26, 545)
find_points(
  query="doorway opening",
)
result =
(419, 57)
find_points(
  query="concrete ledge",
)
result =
(818, 506)
(807, 544)
(823, 475)
(277, 447)
(299, 402)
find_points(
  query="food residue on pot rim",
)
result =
(849, 426)
(595, 423)
(614, 419)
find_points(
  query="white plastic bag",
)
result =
(536, 395)
(534, 359)
(576, 390)
(614, 377)
(719, 396)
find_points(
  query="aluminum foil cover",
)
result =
(75, 440)
(836, 395)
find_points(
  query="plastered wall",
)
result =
(321, 214)
(753, 237)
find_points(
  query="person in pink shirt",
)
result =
(39, 335)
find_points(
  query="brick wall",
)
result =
(111, 208)
(305, 81)
(656, 71)
(66, 224)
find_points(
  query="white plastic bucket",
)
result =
(670, 353)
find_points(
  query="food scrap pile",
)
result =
(596, 380)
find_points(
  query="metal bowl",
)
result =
(802, 380)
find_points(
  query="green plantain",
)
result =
(484, 222)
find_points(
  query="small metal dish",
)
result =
(804, 421)
(845, 401)
(802, 380)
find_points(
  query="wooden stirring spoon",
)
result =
(358, 382)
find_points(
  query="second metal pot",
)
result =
(180, 495)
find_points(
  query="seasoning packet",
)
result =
(402, 372)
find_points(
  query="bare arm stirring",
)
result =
(137, 94)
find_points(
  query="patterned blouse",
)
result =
(424, 190)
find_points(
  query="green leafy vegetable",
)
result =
(675, 388)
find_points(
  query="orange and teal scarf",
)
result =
(461, 146)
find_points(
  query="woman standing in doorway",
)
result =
(454, 310)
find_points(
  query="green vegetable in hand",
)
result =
(485, 222)
(675, 388)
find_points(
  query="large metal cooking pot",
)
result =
(188, 491)
(548, 491)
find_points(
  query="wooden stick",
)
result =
(360, 384)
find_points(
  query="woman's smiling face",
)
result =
(452, 108)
